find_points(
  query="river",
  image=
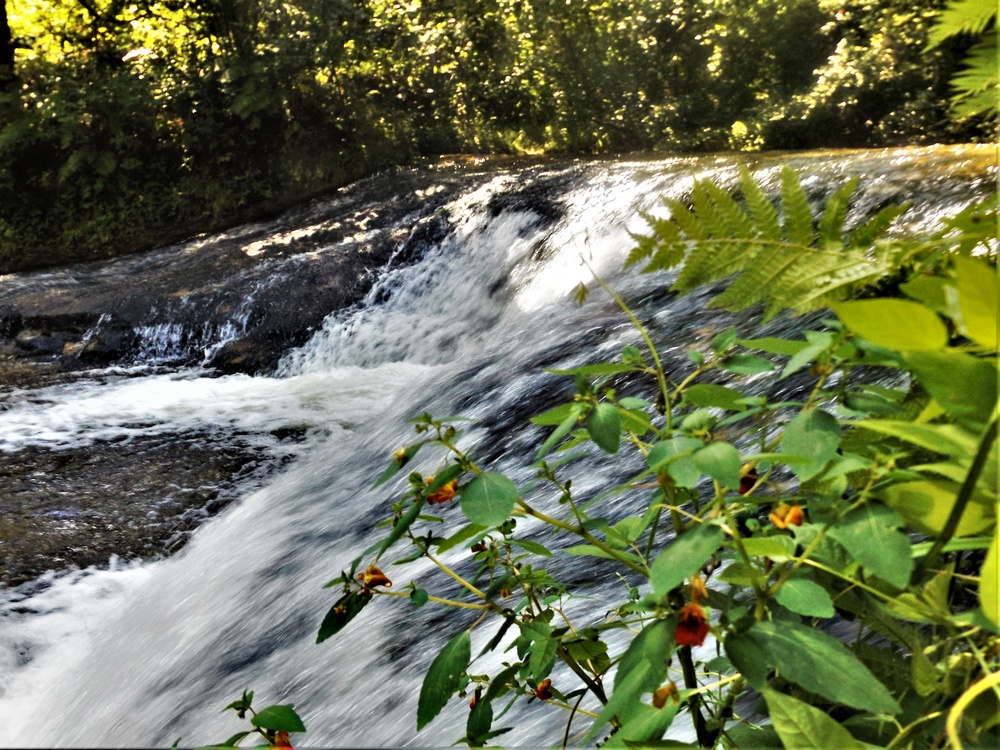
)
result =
(141, 653)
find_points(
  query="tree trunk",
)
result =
(6, 46)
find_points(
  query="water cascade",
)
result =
(143, 654)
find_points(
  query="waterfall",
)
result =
(139, 655)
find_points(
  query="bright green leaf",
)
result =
(719, 396)
(989, 582)
(926, 505)
(720, 461)
(605, 426)
(819, 663)
(870, 536)
(815, 435)
(802, 727)
(683, 557)
(805, 597)
(894, 323)
(489, 499)
(280, 718)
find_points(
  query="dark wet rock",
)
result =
(239, 301)
(138, 498)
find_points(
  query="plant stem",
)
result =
(964, 496)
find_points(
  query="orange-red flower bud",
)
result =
(748, 478)
(544, 690)
(692, 627)
(443, 494)
(785, 515)
(667, 691)
(281, 739)
(373, 577)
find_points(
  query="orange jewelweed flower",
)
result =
(544, 690)
(696, 589)
(442, 494)
(667, 691)
(373, 577)
(785, 515)
(693, 626)
(281, 739)
(748, 478)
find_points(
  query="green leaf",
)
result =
(683, 557)
(721, 461)
(279, 719)
(964, 386)
(746, 364)
(798, 224)
(400, 527)
(589, 550)
(605, 426)
(802, 727)
(805, 597)
(948, 439)
(600, 368)
(565, 427)
(926, 505)
(479, 722)
(489, 499)
(675, 456)
(894, 323)
(641, 669)
(556, 415)
(819, 663)
(772, 345)
(815, 435)
(989, 582)
(819, 341)
(870, 536)
(533, 547)
(722, 341)
(462, 535)
(398, 463)
(419, 597)
(778, 548)
(341, 613)
(443, 678)
(719, 396)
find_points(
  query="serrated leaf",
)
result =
(683, 557)
(605, 427)
(802, 727)
(978, 300)
(489, 499)
(533, 547)
(720, 461)
(564, 428)
(894, 323)
(280, 718)
(870, 536)
(819, 663)
(926, 506)
(805, 597)
(746, 364)
(443, 678)
(400, 527)
(719, 396)
(341, 613)
(774, 345)
(798, 223)
(815, 435)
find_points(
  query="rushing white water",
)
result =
(140, 655)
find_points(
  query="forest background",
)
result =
(130, 123)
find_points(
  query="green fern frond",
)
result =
(798, 224)
(762, 210)
(785, 264)
(876, 226)
(831, 223)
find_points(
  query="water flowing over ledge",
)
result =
(465, 298)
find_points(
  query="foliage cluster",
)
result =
(866, 504)
(123, 123)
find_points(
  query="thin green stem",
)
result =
(964, 496)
